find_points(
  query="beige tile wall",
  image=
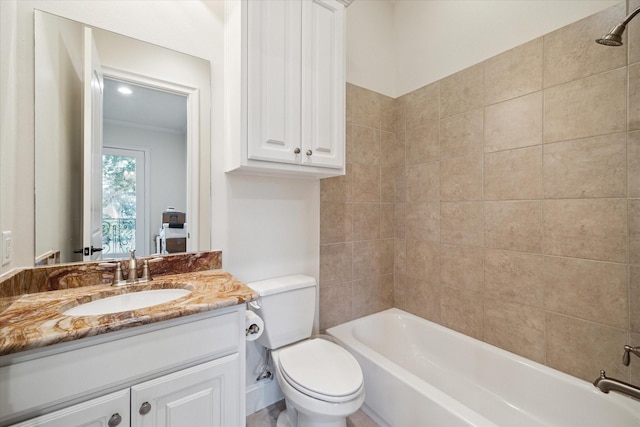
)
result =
(357, 211)
(502, 201)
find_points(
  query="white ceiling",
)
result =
(144, 107)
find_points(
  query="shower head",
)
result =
(614, 37)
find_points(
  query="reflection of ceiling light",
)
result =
(124, 90)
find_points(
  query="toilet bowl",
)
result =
(322, 382)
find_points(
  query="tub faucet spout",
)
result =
(605, 385)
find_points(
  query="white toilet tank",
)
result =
(287, 306)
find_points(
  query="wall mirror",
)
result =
(108, 164)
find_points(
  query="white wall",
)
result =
(432, 39)
(57, 166)
(371, 44)
(15, 195)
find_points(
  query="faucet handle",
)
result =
(146, 267)
(117, 275)
(626, 357)
(146, 275)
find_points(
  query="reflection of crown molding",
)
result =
(135, 125)
(346, 3)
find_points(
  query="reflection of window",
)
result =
(118, 235)
(122, 178)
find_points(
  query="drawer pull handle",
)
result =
(145, 408)
(114, 420)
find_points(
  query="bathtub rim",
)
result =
(339, 332)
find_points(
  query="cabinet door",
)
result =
(273, 80)
(323, 83)
(206, 395)
(111, 410)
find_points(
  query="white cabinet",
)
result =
(285, 91)
(107, 411)
(183, 372)
(204, 395)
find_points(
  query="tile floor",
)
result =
(267, 417)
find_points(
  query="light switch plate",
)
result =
(7, 247)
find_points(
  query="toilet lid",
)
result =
(321, 369)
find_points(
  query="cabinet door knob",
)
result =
(114, 420)
(145, 408)
(297, 150)
(309, 152)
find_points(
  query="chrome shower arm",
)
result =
(631, 16)
(614, 37)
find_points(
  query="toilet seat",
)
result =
(322, 370)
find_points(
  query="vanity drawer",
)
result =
(41, 384)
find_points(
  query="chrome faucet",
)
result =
(606, 385)
(132, 277)
(626, 357)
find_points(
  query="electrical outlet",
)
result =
(7, 247)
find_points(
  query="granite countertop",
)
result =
(36, 320)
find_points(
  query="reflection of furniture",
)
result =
(48, 258)
(173, 232)
(172, 239)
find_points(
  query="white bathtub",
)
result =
(418, 373)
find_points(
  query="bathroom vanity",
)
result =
(179, 372)
(177, 363)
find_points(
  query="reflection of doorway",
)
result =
(58, 131)
(151, 119)
(124, 219)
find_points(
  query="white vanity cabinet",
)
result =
(198, 396)
(183, 372)
(108, 411)
(285, 87)
(203, 395)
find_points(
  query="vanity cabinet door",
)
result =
(206, 395)
(111, 410)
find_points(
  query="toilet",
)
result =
(322, 382)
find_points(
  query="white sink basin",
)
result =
(126, 302)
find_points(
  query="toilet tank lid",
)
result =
(282, 284)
